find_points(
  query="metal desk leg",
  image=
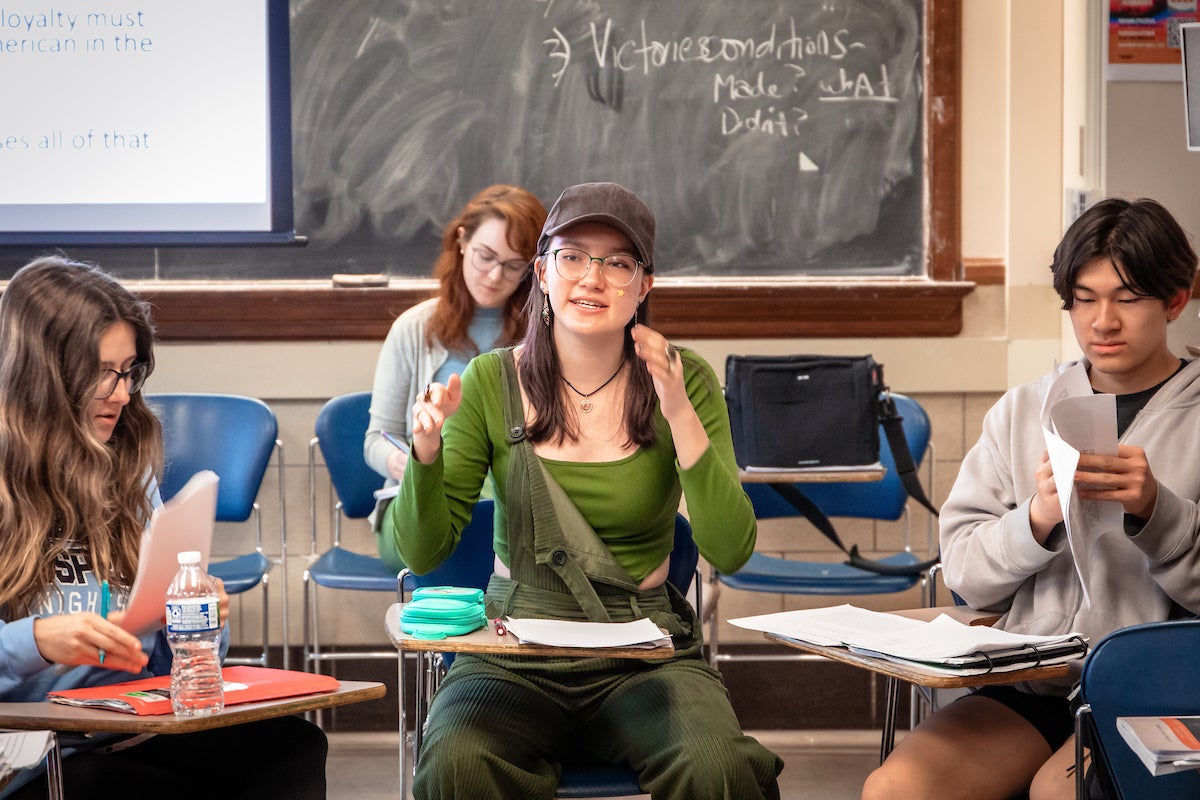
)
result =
(401, 655)
(54, 776)
(1081, 746)
(890, 708)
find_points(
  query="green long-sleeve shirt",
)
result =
(630, 503)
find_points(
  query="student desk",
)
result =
(483, 640)
(864, 474)
(56, 717)
(895, 672)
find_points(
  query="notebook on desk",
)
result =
(152, 696)
(943, 645)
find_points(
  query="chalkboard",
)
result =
(770, 138)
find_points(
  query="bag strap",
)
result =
(906, 465)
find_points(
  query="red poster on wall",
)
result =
(1147, 31)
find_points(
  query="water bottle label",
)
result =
(193, 616)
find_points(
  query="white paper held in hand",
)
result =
(1077, 420)
(185, 522)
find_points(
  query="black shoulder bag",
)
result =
(789, 412)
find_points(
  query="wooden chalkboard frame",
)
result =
(681, 307)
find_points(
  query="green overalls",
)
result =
(501, 726)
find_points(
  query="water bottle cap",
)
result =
(189, 557)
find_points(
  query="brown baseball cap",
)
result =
(610, 203)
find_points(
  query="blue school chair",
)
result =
(878, 500)
(233, 436)
(1139, 671)
(340, 427)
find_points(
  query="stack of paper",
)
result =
(1164, 744)
(561, 633)
(943, 645)
(21, 750)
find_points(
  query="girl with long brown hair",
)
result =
(483, 282)
(80, 452)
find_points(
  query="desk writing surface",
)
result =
(58, 717)
(864, 474)
(913, 674)
(893, 669)
(485, 640)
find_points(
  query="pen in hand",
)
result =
(395, 441)
(105, 596)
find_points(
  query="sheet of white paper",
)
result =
(829, 626)
(23, 749)
(1076, 420)
(185, 522)
(387, 492)
(562, 633)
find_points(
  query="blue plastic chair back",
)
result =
(472, 561)
(229, 434)
(1143, 670)
(883, 500)
(341, 424)
(684, 556)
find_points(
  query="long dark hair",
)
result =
(58, 482)
(541, 375)
(451, 320)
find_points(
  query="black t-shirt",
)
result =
(1128, 405)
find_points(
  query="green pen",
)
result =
(105, 595)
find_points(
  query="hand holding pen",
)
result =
(84, 638)
(435, 405)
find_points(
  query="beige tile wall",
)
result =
(355, 617)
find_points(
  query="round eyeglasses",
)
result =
(135, 376)
(573, 263)
(484, 260)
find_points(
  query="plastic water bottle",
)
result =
(194, 633)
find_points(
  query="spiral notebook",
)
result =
(941, 646)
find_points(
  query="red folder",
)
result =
(149, 696)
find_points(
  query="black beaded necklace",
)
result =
(585, 405)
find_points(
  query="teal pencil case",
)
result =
(440, 611)
(450, 592)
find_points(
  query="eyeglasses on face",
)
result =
(135, 377)
(483, 259)
(573, 263)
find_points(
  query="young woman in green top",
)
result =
(604, 411)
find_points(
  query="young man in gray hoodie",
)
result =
(1124, 271)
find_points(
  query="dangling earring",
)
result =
(546, 310)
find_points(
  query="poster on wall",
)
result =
(1143, 38)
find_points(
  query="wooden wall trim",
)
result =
(681, 309)
(985, 271)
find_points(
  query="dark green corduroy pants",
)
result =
(499, 732)
(500, 727)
